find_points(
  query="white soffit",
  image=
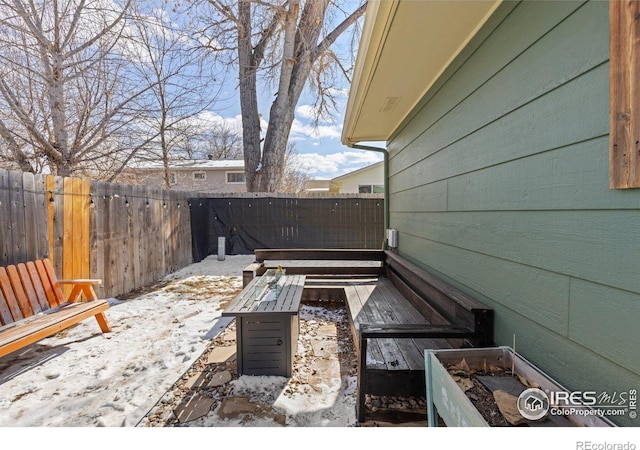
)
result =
(404, 48)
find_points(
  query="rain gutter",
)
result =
(386, 183)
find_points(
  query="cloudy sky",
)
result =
(318, 147)
(319, 151)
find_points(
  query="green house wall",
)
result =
(499, 184)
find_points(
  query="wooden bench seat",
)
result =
(33, 307)
(376, 302)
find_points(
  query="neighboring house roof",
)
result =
(391, 75)
(193, 164)
(354, 172)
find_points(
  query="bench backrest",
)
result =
(440, 302)
(27, 289)
(306, 262)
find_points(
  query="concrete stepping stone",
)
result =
(325, 375)
(221, 355)
(328, 330)
(237, 407)
(324, 347)
(196, 407)
(220, 378)
(196, 380)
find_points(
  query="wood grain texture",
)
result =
(624, 94)
(38, 285)
(18, 225)
(6, 252)
(10, 301)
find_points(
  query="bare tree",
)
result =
(284, 41)
(65, 93)
(180, 86)
(223, 142)
(294, 179)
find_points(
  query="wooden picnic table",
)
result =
(267, 331)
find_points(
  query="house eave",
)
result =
(396, 65)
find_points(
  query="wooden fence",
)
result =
(23, 217)
(132, 236)
(128, 236)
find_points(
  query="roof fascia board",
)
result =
(378, 20)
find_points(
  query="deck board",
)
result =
(378, 301)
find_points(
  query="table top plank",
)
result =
(288, 302)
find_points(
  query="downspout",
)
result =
(386, 184)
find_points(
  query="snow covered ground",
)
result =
(92, 382)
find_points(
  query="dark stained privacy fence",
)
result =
(252, 222)
(132, 236)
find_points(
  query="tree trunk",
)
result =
(296, 67)
(248, 97)
(264, 167)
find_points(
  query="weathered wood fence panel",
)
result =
(139, 235)
(23, 219)
(128, 236)
(132, 236)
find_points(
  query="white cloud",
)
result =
(299, 129)
(306, 112)
(335, 164)
(212, 119)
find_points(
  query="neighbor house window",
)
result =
(199, 176)
(370, 189)
(624, 94)
(235, 177)
(173, 178)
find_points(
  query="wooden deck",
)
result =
(376, 301)
(396, 309)
(394, 366)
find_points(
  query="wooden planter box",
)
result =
(447, 400)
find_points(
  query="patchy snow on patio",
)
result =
(81, 377)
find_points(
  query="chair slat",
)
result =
(52, 299)
(54, 280)
(18, 290)
(29, 290)
(5, 312)
(9, 295)
(37, 285)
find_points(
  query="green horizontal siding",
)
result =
(576, 243)
(574, 177)
(606, 320)
(581, 106)
(540, 295)
(557, 57)
(499, 184)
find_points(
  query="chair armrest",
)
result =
(82, 286)
(81, 281)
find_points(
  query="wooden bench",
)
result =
(395, 314)
(32, 305)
